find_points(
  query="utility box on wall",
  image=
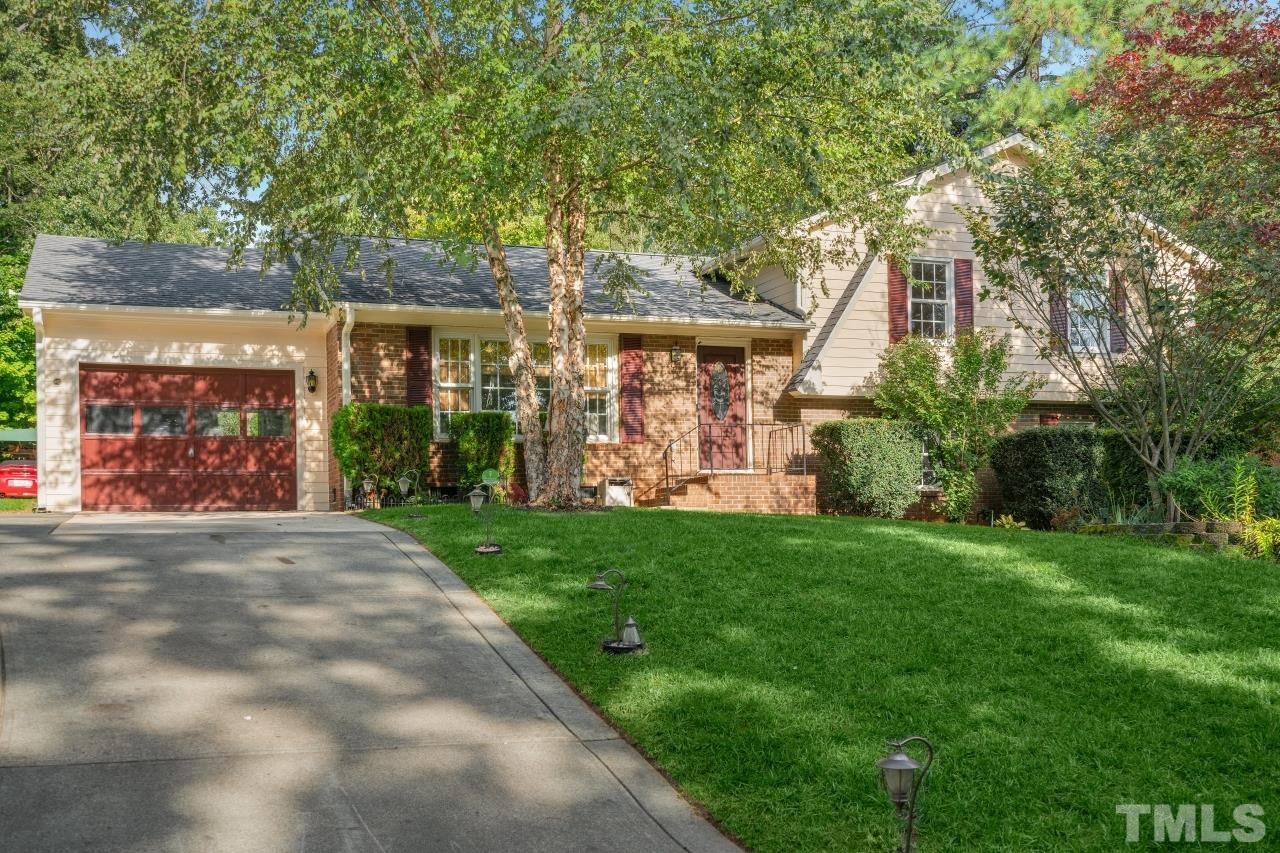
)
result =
(616, 491)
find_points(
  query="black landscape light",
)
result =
(626, 637)
(902, 777)
(480, 504)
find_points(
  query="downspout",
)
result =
(42, 474)
(349, 320)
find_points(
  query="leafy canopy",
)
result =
(54, 176)
(683, 126)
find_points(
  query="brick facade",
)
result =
(378, 364)
(378, 367)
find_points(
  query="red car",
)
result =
(18, 479)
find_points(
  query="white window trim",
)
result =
(478, 336)
(950, 304)
(437, 385)
(1103, 345)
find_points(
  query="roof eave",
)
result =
(27, 305)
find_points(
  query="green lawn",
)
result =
(1058, 675)
(16, 504)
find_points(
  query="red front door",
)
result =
(172, 439)
(722, 408)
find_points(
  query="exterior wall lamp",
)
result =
(313, 382)
(481, 505)
(902, 777)
(676, 352)
(626, 636)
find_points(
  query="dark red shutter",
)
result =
(964, 295)
(1118, 299)
(417, 365)
(631, 388)
(1057, 322)
(898, 311)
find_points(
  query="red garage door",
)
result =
(164, 439)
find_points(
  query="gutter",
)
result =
(796, 325)
(169, 311)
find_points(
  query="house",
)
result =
(166, 380)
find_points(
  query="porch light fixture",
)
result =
(676, 352)
(626, 637)
(313, 382)
(902, 777)
(481, 505)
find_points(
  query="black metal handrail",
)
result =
(766, 446)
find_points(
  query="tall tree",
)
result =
(696, 125)
(1014, 65)
(53, 177)
(1213, 78)
(1085, 247)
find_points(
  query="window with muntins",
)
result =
(930, 298)
(453, 379)
(1088, 320)
(461, 357)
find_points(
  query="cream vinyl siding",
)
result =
(850, 356)
(73, 337)
(773, 286)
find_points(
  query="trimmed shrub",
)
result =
(484, 440)
(1064, 472)
(870, 466)
(1123, 475)
(1204, 488)
(372, 439)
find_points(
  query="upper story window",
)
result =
(1088, 320)
(930, 298)
(473, 373)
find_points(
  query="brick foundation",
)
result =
(787, 494)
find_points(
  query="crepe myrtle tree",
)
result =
(1155, 333)
(697, 126)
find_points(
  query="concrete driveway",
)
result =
(290, 682)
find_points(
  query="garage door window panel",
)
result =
(164, 420)
(217, 422)
(268, 423)
(108, 419)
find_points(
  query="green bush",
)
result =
(484, 440)
(1124, 476)
(1048, 472)
(870, 466)
(372, 439)
(1205, 488)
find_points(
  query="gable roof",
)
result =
(84, 271)
(922, 179)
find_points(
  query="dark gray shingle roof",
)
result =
(86, 271)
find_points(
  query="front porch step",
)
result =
(793, 494)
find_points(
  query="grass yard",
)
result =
(17, 504)
(1058, 675)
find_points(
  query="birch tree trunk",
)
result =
(521, 363)
(566, 334)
